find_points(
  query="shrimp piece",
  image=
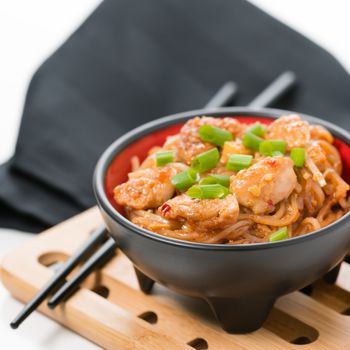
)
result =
(148, 188)
(202, 214)
(230, 124)
(188, 143)
(292, 129)
(264, 184)
(151, 221)
(149, 162)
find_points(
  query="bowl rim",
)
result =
(122, 142)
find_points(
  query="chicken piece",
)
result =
(148, 188)
(188, 142)
(202, 214)
(264, 184)
(292, 129)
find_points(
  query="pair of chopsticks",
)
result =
(270, 95)
(99, 249)
(57, 282)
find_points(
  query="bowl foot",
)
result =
(238, 316)
(145, 282)
(331, 276)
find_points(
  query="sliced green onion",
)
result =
(279, 235)
(298, 156)
(214, 135)
(223, 180)
(185, 179)
(266, 147)
(208, 191)
(257, 129)
(206, 160)
(252, 141)
(239, 161)
(164, 157)
(276, 154)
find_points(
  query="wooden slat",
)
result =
(113, 322)
(331, 295)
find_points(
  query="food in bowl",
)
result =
(242, 297)
(223, 181)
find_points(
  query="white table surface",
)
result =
(29, 32)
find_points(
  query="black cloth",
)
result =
(133, 61)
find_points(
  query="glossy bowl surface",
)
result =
(240, 282)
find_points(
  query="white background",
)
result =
(30, 30)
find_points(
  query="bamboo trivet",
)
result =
(111, 311)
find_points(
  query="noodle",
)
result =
(231, 232)
(341, 187)
(135, 163)
(325, 210)
(318, 132)
(332, 154)
(313, 196)
(290, 215)
(307, 225)
(316, 174)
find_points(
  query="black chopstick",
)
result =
(225, 96)
(59, 278)
(97, 260)
(273, 92)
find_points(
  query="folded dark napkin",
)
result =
(134, 61)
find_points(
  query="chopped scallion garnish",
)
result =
(214, 135)
(164, 157)
(276, 154)
(206, 160)
(298, 156)
(267, 147)
(279, 235)
(223, 180)
(208, 191)
(257, 129)
(239, 161)
(185, 179)
(252, 141)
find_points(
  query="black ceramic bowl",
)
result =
(240, 282)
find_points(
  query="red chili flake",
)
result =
(165, 208)
(272, 162)
(270, 203)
